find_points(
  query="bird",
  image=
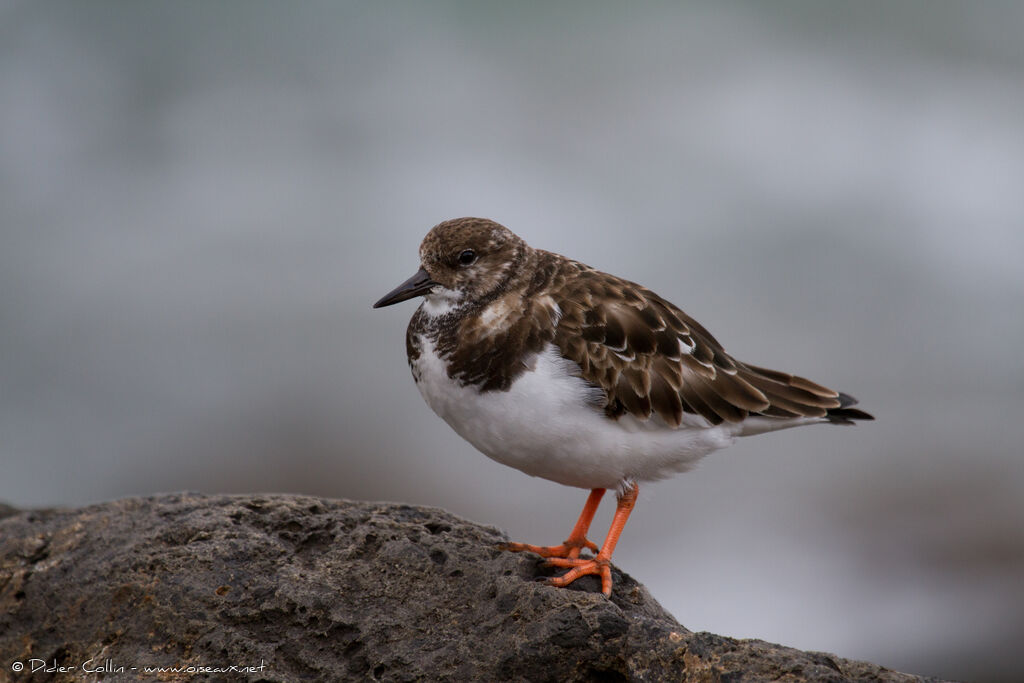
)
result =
(580, 377)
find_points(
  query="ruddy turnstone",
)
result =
(564, 372)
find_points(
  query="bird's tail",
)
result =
(845, 414)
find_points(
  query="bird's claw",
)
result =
(598, 566)
(569, 550)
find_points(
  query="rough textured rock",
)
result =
(330, 590)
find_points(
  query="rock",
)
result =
(290, 588)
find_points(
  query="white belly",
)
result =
(544, 426)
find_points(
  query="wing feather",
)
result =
(650, 358)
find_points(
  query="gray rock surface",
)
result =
(307, 589)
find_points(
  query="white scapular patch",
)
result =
(495, 313)
(495, 316)
(549, 424)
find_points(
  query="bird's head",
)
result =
(462, 260)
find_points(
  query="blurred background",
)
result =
(200, 201)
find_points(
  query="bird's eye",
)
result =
(467, 257)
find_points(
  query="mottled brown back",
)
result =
(652, 358)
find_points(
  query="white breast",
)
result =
(547, 425)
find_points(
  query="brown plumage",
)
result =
(650, 357)
(646, 355)
(548, 365)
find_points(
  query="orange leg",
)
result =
(577, 539)
(599, 565)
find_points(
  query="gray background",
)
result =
(200, 201)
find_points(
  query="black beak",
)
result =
(417, 285)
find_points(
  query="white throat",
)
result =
(441, 301)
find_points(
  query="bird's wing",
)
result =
(651, 358)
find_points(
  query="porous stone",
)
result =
(294, 588)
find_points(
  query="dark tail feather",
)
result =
(844, 414)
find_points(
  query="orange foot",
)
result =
(577, 540)
(567, 554)
(599, 566)
(569, 550)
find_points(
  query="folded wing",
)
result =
(650, 358)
